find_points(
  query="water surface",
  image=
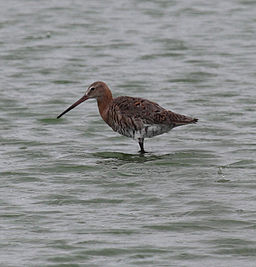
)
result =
(73, 192)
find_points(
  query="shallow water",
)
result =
(73, 192)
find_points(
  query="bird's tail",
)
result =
(179, 120)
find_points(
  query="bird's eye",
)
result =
(92, 89)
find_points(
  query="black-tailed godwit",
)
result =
(133, 117)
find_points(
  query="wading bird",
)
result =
(133, 117)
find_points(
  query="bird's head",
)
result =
(98, 90)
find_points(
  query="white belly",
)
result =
(152, 130)
(148, 131)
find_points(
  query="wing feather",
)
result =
(142, 111)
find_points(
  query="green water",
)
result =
(73, 192)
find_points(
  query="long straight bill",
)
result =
(82, 99)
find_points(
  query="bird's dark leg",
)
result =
(141, 143)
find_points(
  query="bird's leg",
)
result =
(141, 143)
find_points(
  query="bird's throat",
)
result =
(103, 104)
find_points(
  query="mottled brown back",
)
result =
(148, 112)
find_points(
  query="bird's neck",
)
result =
(103, 105)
